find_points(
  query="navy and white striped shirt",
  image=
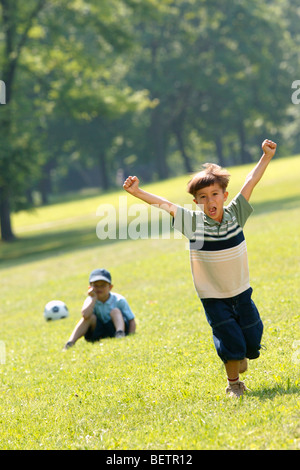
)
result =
(218, 251)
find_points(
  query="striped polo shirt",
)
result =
(218, 251)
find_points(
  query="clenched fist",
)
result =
(131, 184)
(269, 148)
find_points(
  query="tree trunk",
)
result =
(5, 220)
(5, 223)
(158, 142)
(245, 155)
(180, 143)
(103, 171)
(219, 149)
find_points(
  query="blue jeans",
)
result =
(236, 325)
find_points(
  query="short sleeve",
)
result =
(189, 223)
(122, 304)
(240, 207)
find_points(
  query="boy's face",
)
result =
(212, 198)
(101, 289)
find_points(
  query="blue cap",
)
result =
(100, 275)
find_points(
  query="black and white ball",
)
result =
(55, 310)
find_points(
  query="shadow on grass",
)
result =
(267, 393)
(276, 205)
(52, 243)
(43, 245)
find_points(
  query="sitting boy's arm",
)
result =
(269, 149)
(131, 185)
(89, 304)
(132, 326)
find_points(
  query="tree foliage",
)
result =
(97, 89)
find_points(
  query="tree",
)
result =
(66, 53)
(16, 25)
(216, 67)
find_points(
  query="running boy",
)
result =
(219, 263)
(104, 313)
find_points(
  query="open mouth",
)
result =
(212, 211)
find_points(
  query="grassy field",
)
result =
(164, 387)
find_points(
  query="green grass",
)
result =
(162, 388)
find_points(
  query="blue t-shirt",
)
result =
(102, 309)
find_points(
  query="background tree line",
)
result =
(97, 90)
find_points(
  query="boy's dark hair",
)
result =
(210, 175)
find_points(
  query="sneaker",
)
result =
(68, 345)
(243, 365)
(119, 334)
(236, 390)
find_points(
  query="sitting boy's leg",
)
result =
(118, 321)
(81, 329)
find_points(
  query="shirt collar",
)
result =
(209, 221)
(107, 301)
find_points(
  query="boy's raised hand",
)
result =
(131, 184)
(269, 148)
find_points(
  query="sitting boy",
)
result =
(219, 260)
(104, 313)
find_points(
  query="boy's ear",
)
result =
(225, 195)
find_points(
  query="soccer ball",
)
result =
(55, 310)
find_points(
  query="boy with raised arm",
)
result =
(219, 263)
